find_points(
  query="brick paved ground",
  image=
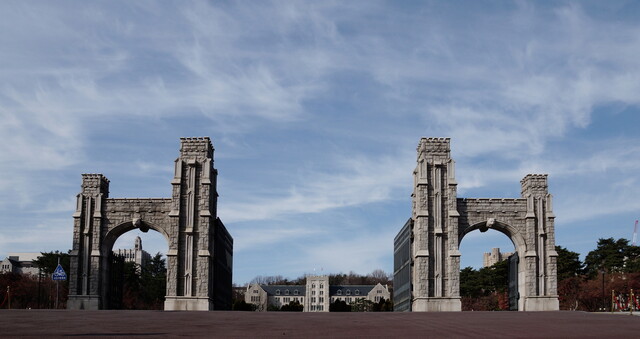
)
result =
(62, 323)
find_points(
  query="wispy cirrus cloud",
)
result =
(361, 254)
(358, 181)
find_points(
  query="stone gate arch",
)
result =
(518, 242)
(144, 226)
(427, 255)
(199, 259)
(511, 232)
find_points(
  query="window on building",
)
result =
(313, 299)
(295, 292)
(348, 292)
(277, 292)
(379, 291)
(286, 292)
(339, 292)
(321, 299)
(357, 292)
(321, 285)
(313, 285)
(321, 292)
(313, 292)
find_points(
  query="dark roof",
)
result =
(363, 290)
(14, 261)
(272, 289)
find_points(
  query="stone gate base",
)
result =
(436, 305)
(541, 304)
(83, 302)
(188, 304)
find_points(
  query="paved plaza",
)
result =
(149, 324)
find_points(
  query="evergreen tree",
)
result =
(609, 255)
(48, 261)
(339, 306)
(569, 264)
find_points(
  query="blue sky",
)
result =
(315, 110)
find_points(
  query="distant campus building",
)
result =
(315, 296)
(21, 263)
(136, 254)
(494, 257)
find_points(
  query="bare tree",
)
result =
(276, 280)
(379, 276)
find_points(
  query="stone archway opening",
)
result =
(152, 241)
(137, 272)
(485, 271)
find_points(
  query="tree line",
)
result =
(144, 287)
(351, 278)
(612, 265)
(586, 286)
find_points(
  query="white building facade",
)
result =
(135, 254)
(315, 296)
(21, 263)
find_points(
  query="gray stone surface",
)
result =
(187, 221)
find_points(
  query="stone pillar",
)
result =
(193, 216)
(539, 271)
(453, 268)
(86, 289)
(435, 253)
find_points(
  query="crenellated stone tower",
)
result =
(427, 256)
(435, 219)
(540, 257)
(84, 275)
(199, 260)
